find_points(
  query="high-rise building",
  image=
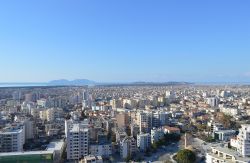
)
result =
(159, 118)
(85, 97)
(213, 101)
(16, 95)
(127, 147)
(144, 120)
(77, 138)
(156, 134)
(143, 142)
(29, 128)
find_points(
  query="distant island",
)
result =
(72, 82)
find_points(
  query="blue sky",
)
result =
(125, 40)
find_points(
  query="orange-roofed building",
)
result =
(171, 130)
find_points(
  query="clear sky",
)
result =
(125, 40)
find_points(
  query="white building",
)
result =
(77, 138)
(230, 111)
(57, 147)
(213, 101)
(51, 114)
(26, 107)
(127, 147)
(170, 94)
(12, 139)
(243, 140)
(225, 155)
(156, 134)
(143, 141)
(239, 153)
(42, 103)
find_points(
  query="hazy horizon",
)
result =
(121, 82)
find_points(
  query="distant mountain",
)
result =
(72, 82)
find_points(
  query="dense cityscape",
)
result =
(128, 123)
(124, 81)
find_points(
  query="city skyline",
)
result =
(125, 41)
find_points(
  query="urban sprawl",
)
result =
(123, 123)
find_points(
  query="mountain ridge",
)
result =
(71, 82)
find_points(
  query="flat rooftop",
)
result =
(25, 153)
(230, 152)
(55, 145)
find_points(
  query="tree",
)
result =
(154, 147)
(209, 139)
(201, 127)
(185, 156)
(127, 159)
(227, 121)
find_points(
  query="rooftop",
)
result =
(26, 153)
(230, 152)
(56, 145)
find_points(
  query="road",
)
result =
(163, 153)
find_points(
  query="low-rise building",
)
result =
(29, 156)
(224, 155)
(224, 135)
(104, 150)
(57, 147)
(171, 130)
(91, 159)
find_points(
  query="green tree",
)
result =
(185, 156)
(209, 139)
(154, 147)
